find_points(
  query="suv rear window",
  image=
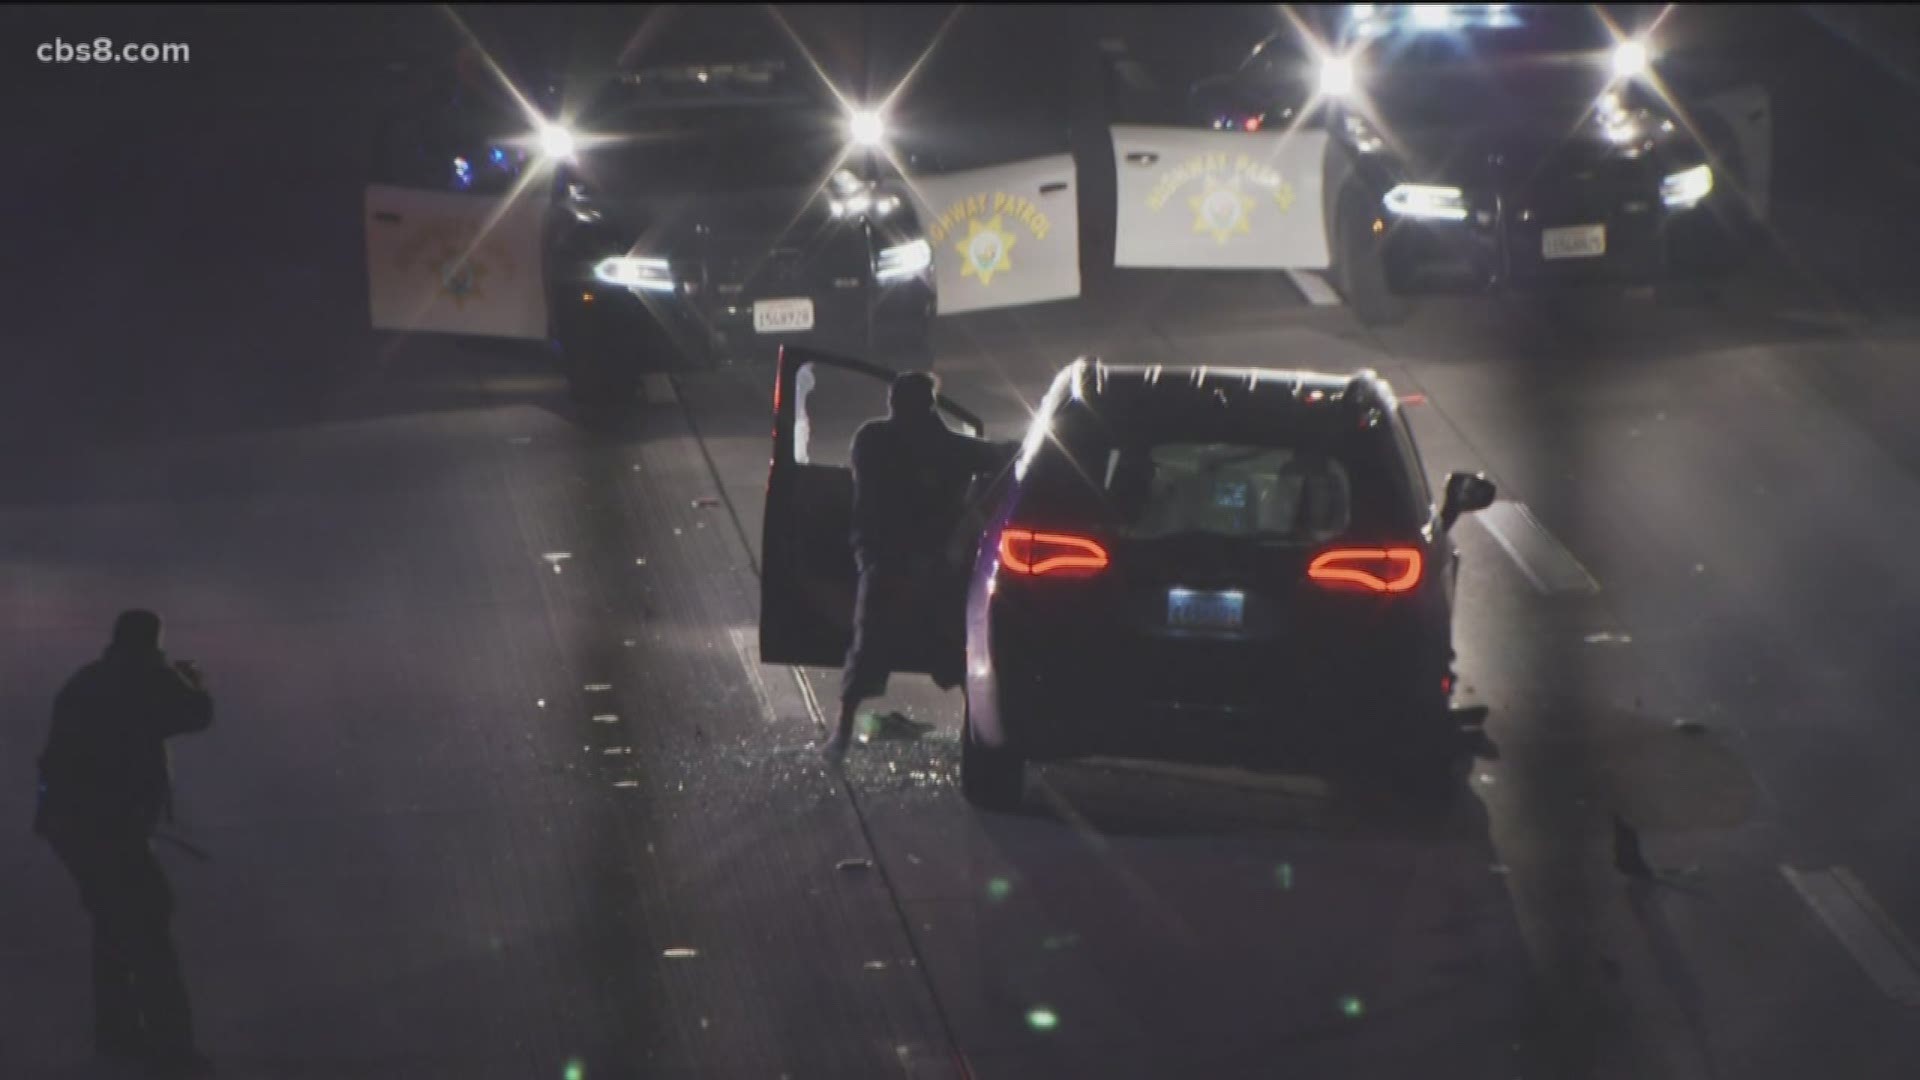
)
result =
(1228, 489)
(1300, 483)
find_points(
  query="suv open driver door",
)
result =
(807, 574)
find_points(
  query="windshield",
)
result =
(1272, 477)
(1228, 489)
(730, 148)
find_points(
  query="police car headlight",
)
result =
(1684, 190)
(867, 127)
(1431, 202)
(902, 261)
(556, 141)
(634, 272)
(1629, 59)
(1336, 76)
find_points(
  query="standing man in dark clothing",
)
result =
(910, 479)
(105, 783)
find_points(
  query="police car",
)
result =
(712, 212)
(1195, 564)
(704, 203)
(1493, 145)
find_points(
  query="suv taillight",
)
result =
(1379, 570)
(1050, 554)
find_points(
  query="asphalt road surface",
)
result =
(498, 787)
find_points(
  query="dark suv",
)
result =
(1204, 564)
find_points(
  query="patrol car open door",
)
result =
(807, 574)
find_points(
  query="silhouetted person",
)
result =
(105, 783)
(910, 479)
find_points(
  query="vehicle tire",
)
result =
(1424, 748)
(1360, 266)
(990, 778)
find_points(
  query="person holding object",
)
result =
(105, 785)
(910, 479)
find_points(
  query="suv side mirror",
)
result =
(1466, 492)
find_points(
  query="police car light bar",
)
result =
(1336, 76)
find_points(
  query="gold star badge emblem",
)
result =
(1222, 209)
(460, 277)
(984, 251)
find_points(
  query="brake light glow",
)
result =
(1024, 551)
(1388, 570)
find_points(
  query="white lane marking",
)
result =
(1544, 560)
(1843, 903)
(1314, 287)
(746, 643)
(659, 389)
(809, 698)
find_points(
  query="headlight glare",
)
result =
(556, 141)
(1336, 76)
(902, 261)
(867, 127)
(1629, 59)
(1433, 202)
(1684, 190)
(635, 272)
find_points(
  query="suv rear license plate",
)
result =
(782, 316)
(1191, 609)
(1573, 242)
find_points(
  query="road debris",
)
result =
(890, 727)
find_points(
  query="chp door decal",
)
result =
(1004, 235)
(1219, 200)
(457, 264)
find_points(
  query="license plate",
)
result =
(1190, 609)
(1573, 242)
(782, 316)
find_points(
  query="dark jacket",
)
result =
(105, 764)
(910, 480)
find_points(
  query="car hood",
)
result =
(688, 222)
(1471, 152)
